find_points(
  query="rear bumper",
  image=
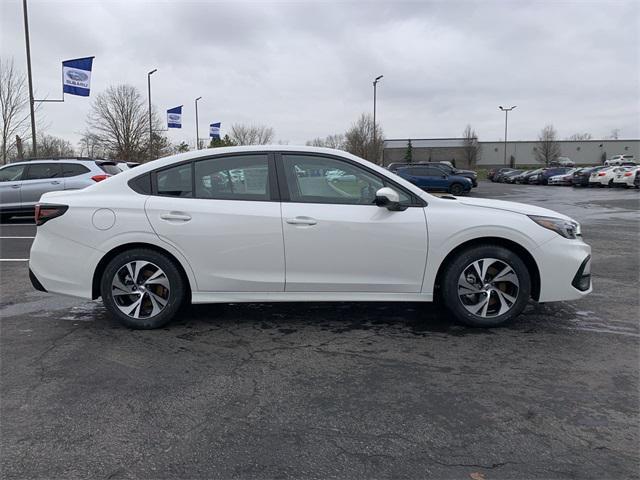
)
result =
(35, 282)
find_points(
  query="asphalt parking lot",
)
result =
(331, 390)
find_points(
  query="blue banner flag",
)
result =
(214, 130)
(76, 76)
(174, 117)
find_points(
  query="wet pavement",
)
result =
(332, 390)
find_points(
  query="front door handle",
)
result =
(176, 217)
(15, 186)
(301, 221)
(55, 182)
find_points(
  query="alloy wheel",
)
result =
(140, 289)
(488, 287)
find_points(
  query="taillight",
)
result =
(99, 178)
(628, 174)
(601, 174)
(45, 212)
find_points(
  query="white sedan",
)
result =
(182, 229)
(604, 177)
(626, 178)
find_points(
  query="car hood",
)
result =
(515, 207)
(457, 171)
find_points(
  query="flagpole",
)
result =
(31, 101)
(150, 122)
(197, 130)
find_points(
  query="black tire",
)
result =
(174, 298)
(461, 263)
(456, 189)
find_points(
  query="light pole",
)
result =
(150, 122)
(197, 132)
(506, 116)
(375, 127)
(31, 101)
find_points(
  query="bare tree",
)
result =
(90, 146)
(548, 148)
(119, 121)
(330, 141)
(580, 136)
(51, 146)
(471, 146)
(359, 139)
(14, 108)
(615, 134)
(251, 134)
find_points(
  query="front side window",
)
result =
(39, 171)
(313, 179)
(175, 181)
(237, 177)
(12, 173)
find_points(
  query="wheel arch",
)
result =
(102, 264)
(515, 247)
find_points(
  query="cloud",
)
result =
(306, 68)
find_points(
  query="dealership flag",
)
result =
(174, 117)
(214, 130)
(76, 76)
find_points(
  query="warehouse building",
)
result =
(582, 152)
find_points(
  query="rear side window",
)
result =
(110, 168)
(73, 169)
(38, 171)
(12, 173)
(239, 177)
(175, 181)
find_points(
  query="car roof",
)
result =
(61, 159)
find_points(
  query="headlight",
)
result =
(566, 228)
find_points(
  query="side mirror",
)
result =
(389, 198)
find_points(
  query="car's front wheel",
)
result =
(142, 288)
(486, 286)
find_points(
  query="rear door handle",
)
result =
(301, 221)
(15, 186)
(55, 182)
(176, 217)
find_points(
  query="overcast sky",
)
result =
(306, 68)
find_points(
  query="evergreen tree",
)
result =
(408, 156)
(222, 142)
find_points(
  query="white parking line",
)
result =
(14, 237)
(14, 259)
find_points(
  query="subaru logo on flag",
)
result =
(174, 117)
(214, 130)
(76, 76)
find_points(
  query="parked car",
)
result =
(581, 176)
(563, 162)
(604, 177)
(619, 160)
(510, 177)
(636, 182)
(520, 176)
(433, 179)
(526, 177)
(495, 177)
(626, 178)
(444, 166)
(22, 183)
(127, 165)
(156, 237)
(547, 173)
(562, 179)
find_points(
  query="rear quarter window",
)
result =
(110, 168)
(73, 169)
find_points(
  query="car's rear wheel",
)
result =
(142, 288)
(486, 286)
(456, 189)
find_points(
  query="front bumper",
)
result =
(560, 261)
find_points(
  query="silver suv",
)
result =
(22, 183)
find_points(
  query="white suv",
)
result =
(619, 160)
